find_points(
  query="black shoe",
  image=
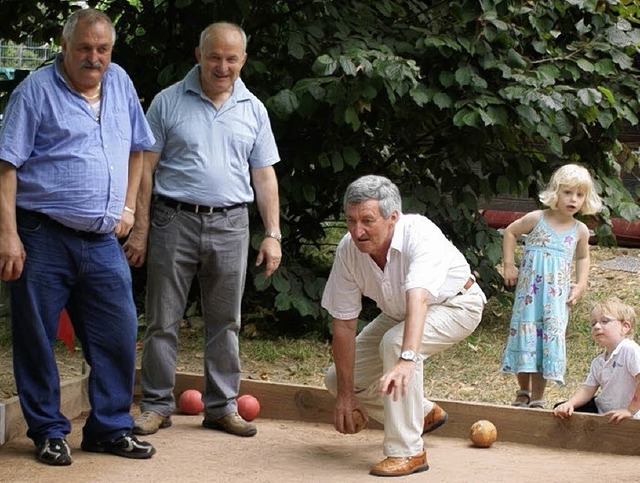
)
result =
(54, 451)
(126, 445)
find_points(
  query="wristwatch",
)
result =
(409, 355)
(273, 234)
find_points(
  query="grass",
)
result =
(468, 371)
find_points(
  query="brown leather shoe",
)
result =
(436, 418)
(232, 423)
(400, 465)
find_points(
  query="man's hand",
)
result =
(124, 226)
(271, 252)
(135, 248)
(343, 414)
(12, 256)
(395, 381)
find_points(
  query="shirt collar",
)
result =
(397, 241)
(192, 83)
(57, 65)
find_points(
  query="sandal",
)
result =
(537, 404)
(520, 395)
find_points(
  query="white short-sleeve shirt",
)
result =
(616, 377)
(420, 256)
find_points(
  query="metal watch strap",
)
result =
(273, 234)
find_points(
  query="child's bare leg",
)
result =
(538, 385)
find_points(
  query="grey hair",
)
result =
(90, 16)
(211, 30)
(373, 187)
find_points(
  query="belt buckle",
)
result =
(207, 211)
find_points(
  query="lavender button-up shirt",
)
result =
(71, 165)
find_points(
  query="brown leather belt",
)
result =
(199, 209)
(467, 285)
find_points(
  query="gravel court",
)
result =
(295, 451)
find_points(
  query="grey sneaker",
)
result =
(127, 446)
(149, 423)
(54, 451)
(232, 423)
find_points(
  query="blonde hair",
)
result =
(572, 176)
(616, 308)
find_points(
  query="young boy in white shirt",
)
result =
(616, 371)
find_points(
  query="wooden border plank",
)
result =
(586, 432)
(73, 401)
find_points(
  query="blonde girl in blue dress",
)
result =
(535, 349)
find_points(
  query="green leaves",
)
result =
(455, 101)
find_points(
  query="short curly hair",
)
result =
(373, 187)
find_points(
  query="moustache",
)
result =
(91, 65)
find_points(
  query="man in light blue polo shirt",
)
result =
(70, 166)
(213, 142)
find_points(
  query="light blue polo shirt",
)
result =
(205, 153)
(69, 166)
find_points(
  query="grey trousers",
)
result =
(213, 248)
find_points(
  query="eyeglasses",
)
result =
(602, 322)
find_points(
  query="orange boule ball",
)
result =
(190, 402)
(359, 422)
(483, 433)
(248, 407)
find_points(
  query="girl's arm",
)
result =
(510, 238)
(583, 396)
(618, 415)
(583, 261)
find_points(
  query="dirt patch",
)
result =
(287, 451)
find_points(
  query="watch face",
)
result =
(408, 355)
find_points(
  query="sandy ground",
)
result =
(293, 451)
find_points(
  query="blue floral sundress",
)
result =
(540, 314)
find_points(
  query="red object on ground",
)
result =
(190, 402)
(65, 330)
(248, 407)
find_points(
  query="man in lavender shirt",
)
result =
(70, 166)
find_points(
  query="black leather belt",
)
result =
(199, 209)
(21, 212)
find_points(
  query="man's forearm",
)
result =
(133, 184)
(145, 191)
(8, 190)
(267, 198)
(343, 347)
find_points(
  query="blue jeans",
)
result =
(183, 246)
(88, 274)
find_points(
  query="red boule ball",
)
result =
(248, 407)
(190, 402)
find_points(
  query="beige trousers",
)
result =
(378, 348)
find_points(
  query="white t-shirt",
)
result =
(616, 377)
(420, 256)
